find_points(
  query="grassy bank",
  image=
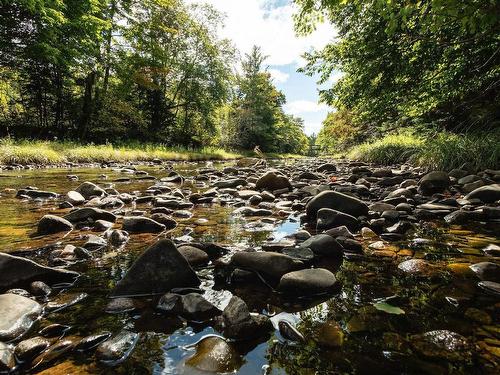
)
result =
(50, 153)
(439, 151)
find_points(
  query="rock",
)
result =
(39, 288)
(490, 287)
(159, 269)
(118, 237)
(117, 348)
(36, 194)
(486, 271)
(89, 213)
(191, 306)
(329, 218)
(28, 349)
(330, 335)
(239, 324)
(64, 301)
(308, 176)
(75, 198)
(214, 354)
(486, 194)
(300, 253)
(327, 167)
(140, 224)
(417, 267)
(54, 352)
(381, 207)
(434, 182)
(17, 315)
(121, 305)
(16, 271)
(90, 342)
(248, 162)
(269, 264)
(323, 245)
(54, 330)
(194, 256)
(231, 183)
(165, 220)
(7, 360)
(50, 224)
(272, 181)
(89, 189)
(337, 201)
(442, 344)
(307, 282)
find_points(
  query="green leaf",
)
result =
(385, 307)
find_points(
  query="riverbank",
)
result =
(443, 151)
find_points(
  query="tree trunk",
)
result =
(87, 105)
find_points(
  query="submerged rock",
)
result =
(194, 256)
(269, 264)
(17, 315)
(442, 344)
(117, 349)
(51, 224)
(307, 282)
(159, 269)
(214, 354)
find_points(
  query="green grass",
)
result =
(443, 151)
(49, 153)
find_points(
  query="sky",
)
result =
(269, 24)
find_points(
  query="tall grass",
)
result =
(48, 152)
(443, 151)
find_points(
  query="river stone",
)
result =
(214, 354)
(194, 256)
(16, 271)
(92, 213)
(269, 264)
(28, 349)
(191, 306)
(307, 282)
(330, 335)
(75, 198)
(17, 315)
(434, 182)
(117, 348)
(323, 245)
(159, 269)
(337, 201)
(50, 224)
(272, 181)
(7, 360)
(417, 267)
(442, 344)
(238, 323)
(89, 189)
(165, 220)
(118, 237)
(328, 218)
(487, 194)
(486, 271)
(141, 224)
(231, 183)
(90, 342)
(490, 287)
(36, 194)
(327, 167)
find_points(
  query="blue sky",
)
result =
(269, 24)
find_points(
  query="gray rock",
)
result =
(92, 213)
(165, 220)
(36, 194)
(118, 237)
(486, 271)
(327, 167)
(272, 181)
(239, 324)
(7, 360)
(191, 306)
(75, 198)
(89, 189)
(90, 342)
(195, 256)
(307, 282)
(269, 264)
(329, 218)
(434, 182)
(486, 194)
(17, 315)
(140, 224)
(159, 269)
(117, 348)
(337, 201)
(231, 183)
(50, 224)
(324, 245)
(28, 349)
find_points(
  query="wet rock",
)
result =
(253, 212)
(75, 198)
(39, 288)
(300, 253)
(54, 353)
(64, 301)
(17, 271)
(239, 324)
(327, 167)
(121, 305)
(330, 335)
(54, 330)
(231, 183)
(269, 264)
(434, 182)
(140, 224)
(28, 349)
(182, 214)
(341, 231)
(486, 271)
(165, 220)
(272, 181)
(337, 201)
(417, 267)
(460, 217)
(50, 224)
(490, 287)
(442, 344)
(307, 282)
(191, 306)
(289, 332)
(90, 342)
(17, 315)
(329, 218)
(117, 348)
(118, 237)
(194, 256)
(308, 176)
(487, 194)
(89, 213)
(324, 245)
(89, 189)
(159, 269)
(36, 194)
(381, 207)
(214, 354)
(7, 360)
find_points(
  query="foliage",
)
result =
(411, 63)
(338, 131)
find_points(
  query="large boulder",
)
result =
(89, 213)
(307, 282)
(89, 189)
(486, 194)
(17, 315)
(158, 270)
(337, 201)
(273, 265)
(272, 181)
(19, 272)
(329, 218)
(141, 224)
(50, 224)
(434, 182)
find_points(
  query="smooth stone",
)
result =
(300, 253)
(140, 224)
(191, 306)
(194, 256)
(30, 348)
(51, 224)
(17, 315)
(269, 264)
(337, 201)
(89, 189)
(64, 301)
(90, 342)
(89, 213)
(165, 220)
(324, 245)
(434, 182)
(327, 167)
(39, 288)
(272, 181)
(231, 183)
(328, 218)
(307, 282)
(75, 198)
(239, 324)
(486, 271)
(117, 349)
(7, 359)
(54, 352)
(486, 194)
(214, 355)
(54, 330)
(118, 237)
(36, 194)
(158, 270)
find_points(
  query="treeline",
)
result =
(432, 64)
(148, 70)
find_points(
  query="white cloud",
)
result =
(299, 107)
(270, 26)
(278, 76)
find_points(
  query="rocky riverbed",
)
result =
(280, 267)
